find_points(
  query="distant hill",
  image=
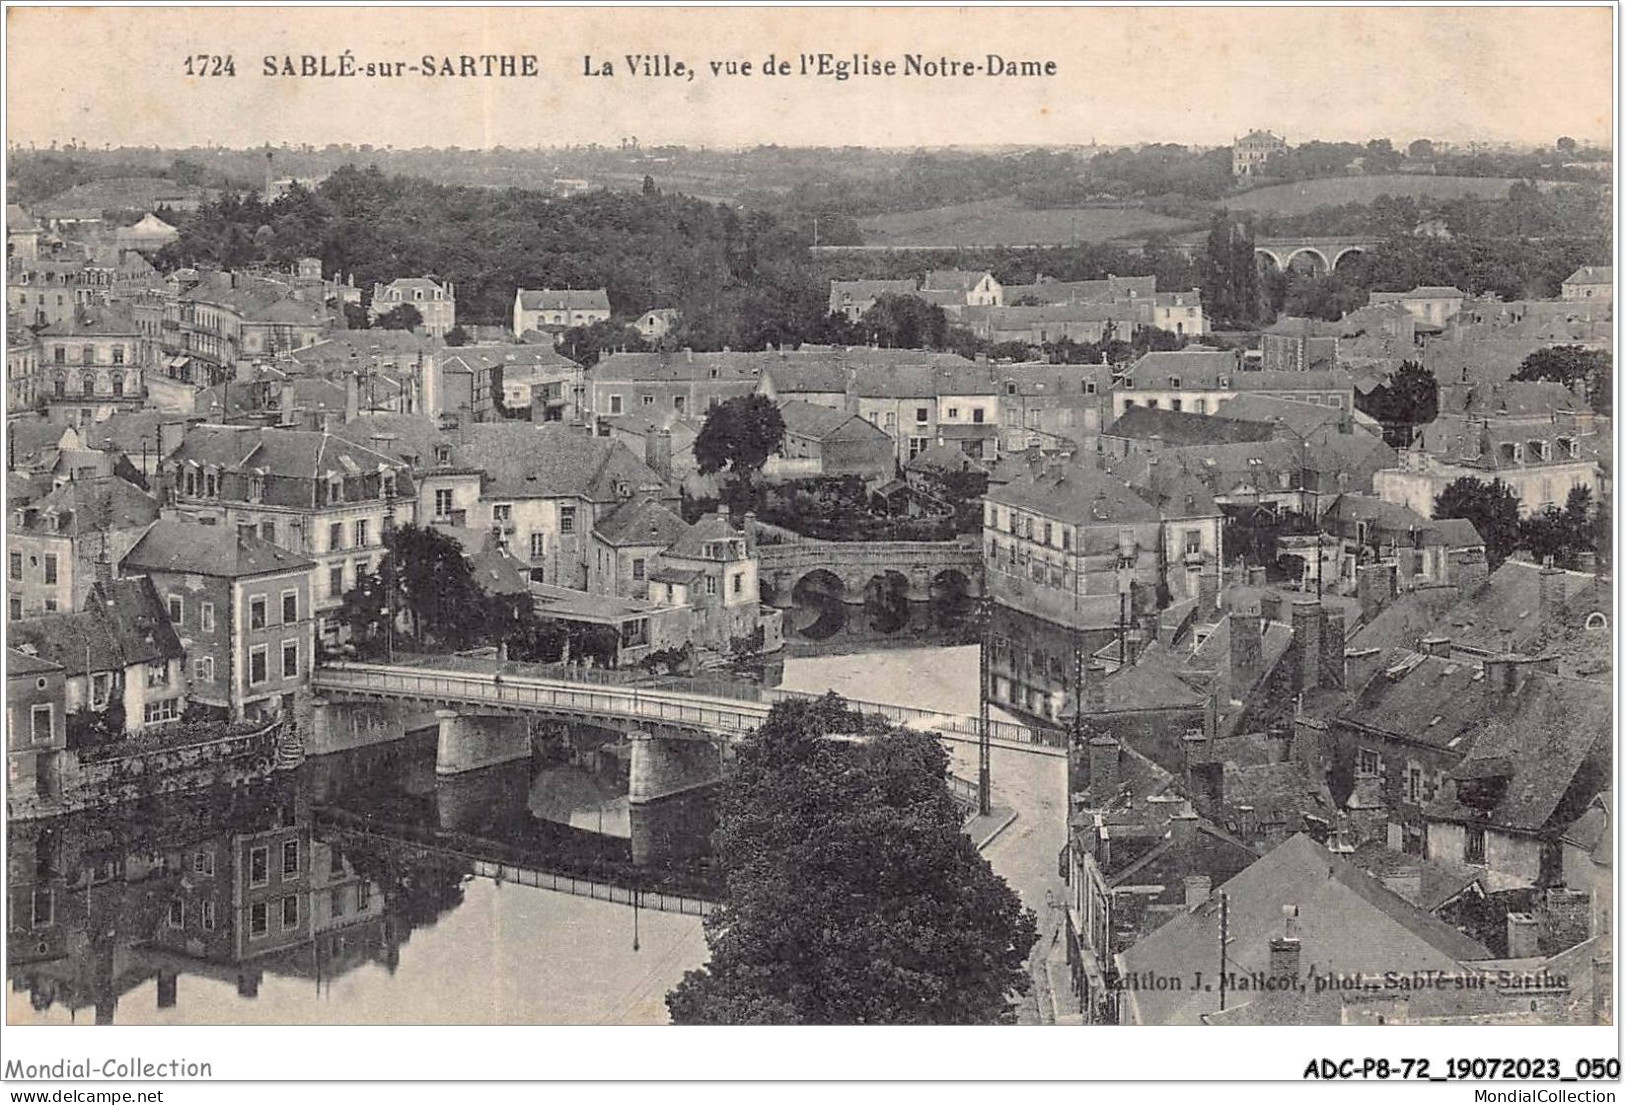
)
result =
(1306, 195)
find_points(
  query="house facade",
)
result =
(436, 302)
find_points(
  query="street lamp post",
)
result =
(984, 745)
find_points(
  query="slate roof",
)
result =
(1200, 369)
(1396, 518)
(1304, 418)
(1185, 428)
(124, 431)
(825, 423)
(1591, 274)
(21, 663)
(1511, 399)
(1077, 494)
(1555, 735)
(861, 291)
(89, 506)
(93, 322)
(297, 454)
(409, 438)
(522, 460)
(953, 280)
(942, 457)
(123, 623)
(173, 545)
(572, 299)
(711, 527)
(1504, 615)
(1431, 700)
(1334, 898)
(1421, 291)
(643, 521)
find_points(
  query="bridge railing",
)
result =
(720, 712)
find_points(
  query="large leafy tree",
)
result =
(1491, 507)
(852, 895)
(1562, 533)
(905, 322)
(1229, 274)
(404, 316)
(739, 435)
(1572, 366)
(1407, 399)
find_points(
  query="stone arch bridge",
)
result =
(1323, 254)
(919, 570)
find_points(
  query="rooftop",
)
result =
(220, 551)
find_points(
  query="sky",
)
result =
(1196, 75)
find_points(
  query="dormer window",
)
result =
(1173, 381)
(442, 454)
(386, 485)
(256, 488)
(1224, 381)
(335, 489)
(1540, 450)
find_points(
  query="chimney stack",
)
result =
(352, 398)
(1207, 596)
(1331, 646)
(1094, 689)
(1269, 606)
(1306, 618)
(657, 453)
(1198, 888)
(1286, 952)
(1359, 666)
(1246, 647)
(1182, 831)
(1553, 598)
(1436, 646)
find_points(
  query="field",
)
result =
(1003, 222)
(1304, 196)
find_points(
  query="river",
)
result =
(254, 907)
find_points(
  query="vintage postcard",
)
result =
(609, 516)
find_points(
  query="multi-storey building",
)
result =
(1537, 438)
(59, 545)
(435, 302)
(242, 609)
(1590, 282)
(314, 494)
(1252, 152)
(553, 311)
(1198, 380)
(22, 365)
(92, 363)
(664, 385)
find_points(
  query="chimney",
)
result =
(722, 511)
(1182, 831)
(1104, 772)
(1197, 889)
(352, 398)
(1246, 646)
(1094, 689)
(1436, 646)
(1374, 586)
(1256, 576)
(1552, 598)
(1269, 606)
(1360, 666)
(657, 453)
(1523, 936)
(1331, 647)
(1306, 640)
(1286, 953)
(1207, 596)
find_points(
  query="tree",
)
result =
(587, 344)
(1574, 366)
(1491, 507)
(1230, 273)
(905, 322)
(1561, 534)
(355, 317)
(403, 316)
(739, 435)
(1409, 398)
(1567, 144)
(851, 893)
(436, 599)
(1421, 149)
(456, 336)
(649, 188)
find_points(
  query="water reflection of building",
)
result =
(225, 886)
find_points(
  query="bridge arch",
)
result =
(950, 585)
(1315, 261)
(1346, 251)
(819, 583)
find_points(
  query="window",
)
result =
(1193, 542)
(177, 609)
(203, 669)
(363, 895)
(1152, 403)
(953, 413)
(614, 404)
(917, 445)
(14, 565)
(567, 519)
(290, 607)
(442, 502)
(1176, 404)
(163, 709)
(290, 858)
(336, 902)
(40, 723)
(44, 908)
(538, 546)
(208, 916)
(648, 400)
(101, 685)
(335, 535)
(258, 919)
(922, 415)
(978, 415)
(1413, 783)
(335, 580)
(118, 354)
(50, 567)
(1370, 762)
(739, 583)
(386, 485)
(259, 860)
(1473, 849)
(256, 613)
(635, 632)
(710, 585)
(290, 912)
(638, 567)
(157, 673)
(1199, 406)
(1049, 533)
(363, 536)
(290, 659)
(256, 665)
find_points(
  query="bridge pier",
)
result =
(468, 742)
(671, 796)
